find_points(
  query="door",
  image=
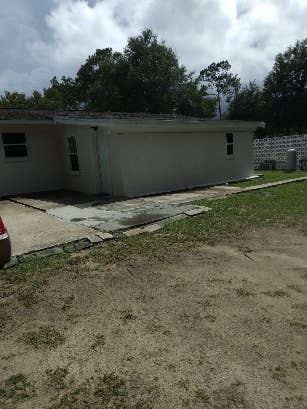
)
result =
(104, 174)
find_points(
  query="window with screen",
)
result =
(73, 154)
(14, 145)
(229, 144)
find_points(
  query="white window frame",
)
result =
(15, 158)
(70, 154)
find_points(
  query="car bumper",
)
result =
(5, 249)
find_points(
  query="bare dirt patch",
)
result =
(214, 327)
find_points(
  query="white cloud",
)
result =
(249, 33)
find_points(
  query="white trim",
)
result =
(4, 236)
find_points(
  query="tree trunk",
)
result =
(220, 109)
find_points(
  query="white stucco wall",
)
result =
(144, 163)
(127, 158)
(41, 170)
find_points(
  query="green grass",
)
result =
(99, 341)
(15, 389)
(45, 337)
(56, 378)
(270, 176)
(4, 317)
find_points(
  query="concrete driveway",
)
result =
(32, 230)
(40, 221)
(110, 216)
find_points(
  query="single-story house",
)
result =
(119, 154)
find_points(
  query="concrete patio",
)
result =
(99, 213)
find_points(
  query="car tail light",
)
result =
(3, 231)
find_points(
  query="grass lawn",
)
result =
(270, 176)
(208, 312)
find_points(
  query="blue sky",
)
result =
(42, 38)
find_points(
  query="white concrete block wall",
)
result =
(276, 149)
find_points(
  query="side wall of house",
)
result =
(145, 163)
(41, 170)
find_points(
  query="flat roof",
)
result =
(45, 115)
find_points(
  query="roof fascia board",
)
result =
(26, 122)
(184, 126)
(162, 125)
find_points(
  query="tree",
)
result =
(194, 100)
(146, 77)
(285, 90)
(50, 99)
(14, 100)
(218, 77)
(68, 90)
(248, 104)
(154, 75)
(100, 81)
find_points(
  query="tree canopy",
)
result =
(248, 103)
(282, 103)
(285, 89)
(218, 77)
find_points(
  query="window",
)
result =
(73, 153)
(229, 144)
(14, 145)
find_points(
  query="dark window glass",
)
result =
(74, 162)
(229, 138)
(229, 143)
(14, 145)
(230, 149)
(72, 144)
(73, 154)
(13, 138)
(15, 151)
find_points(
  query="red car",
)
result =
(5, 245)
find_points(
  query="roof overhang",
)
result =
(26, 122)
(163, 125)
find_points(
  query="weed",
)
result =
(279, 374)
(109, 387)
(99, 341)
(277, 293)
(184, 383)
(230, 397)
(4, 317)
(45, 337)
(15, 389)
(68, 301)
(202, 396)
(302, 306)
(29, 296)
(298, 324)
(128, 316)
(107, 391)
(242, 292)
(57, 378)
(210, 318)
